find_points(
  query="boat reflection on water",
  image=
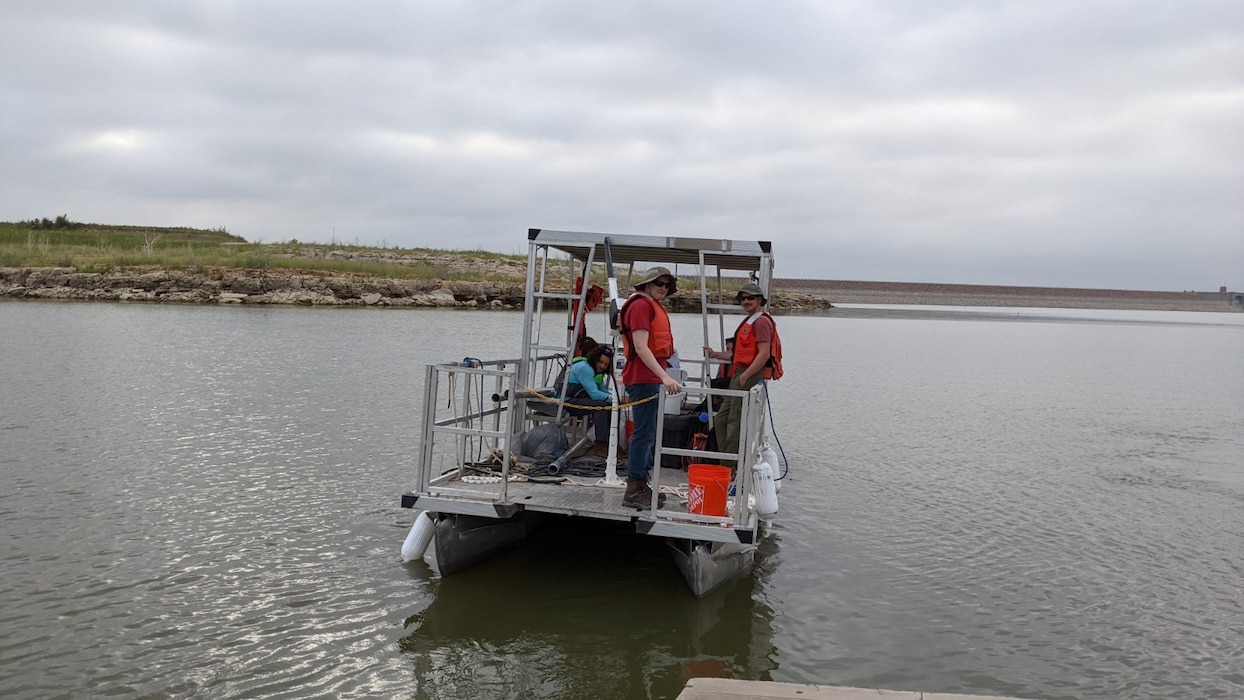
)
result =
(613, 620)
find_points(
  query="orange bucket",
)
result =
(707, 487)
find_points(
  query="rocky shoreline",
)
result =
(287, 287)
(279, 286)
(247, 286)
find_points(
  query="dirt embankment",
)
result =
(294, 287)
(287, 287)
(238, 286)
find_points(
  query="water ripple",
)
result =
(203, 504)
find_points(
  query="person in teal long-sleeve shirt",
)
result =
(585, 394)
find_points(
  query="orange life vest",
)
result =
(595, 295)
(660, 337)
(745, 349)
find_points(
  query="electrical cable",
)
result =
(773, 428)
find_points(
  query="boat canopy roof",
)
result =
(724, 254)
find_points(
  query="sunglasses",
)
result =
(659, 283)
(746, 297)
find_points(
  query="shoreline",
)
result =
(279, 286)
(925, 294)
(282, 287)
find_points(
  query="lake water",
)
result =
(203, 501)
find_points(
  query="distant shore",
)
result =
(286, 287)
(913, 293)
(63, 259)
(292, 288)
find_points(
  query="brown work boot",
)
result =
(600, 450)
(648, 493)
(635, 496)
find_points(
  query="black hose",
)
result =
(586, 468)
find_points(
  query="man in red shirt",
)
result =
(753, 345)
(648, 343)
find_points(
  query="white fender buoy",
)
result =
(770, 456)
(763, 489)
(420, 536)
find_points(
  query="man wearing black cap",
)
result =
(648, 343)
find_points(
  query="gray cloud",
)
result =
(1057, 143)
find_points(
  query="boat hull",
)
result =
(463, 541)
(707, 565)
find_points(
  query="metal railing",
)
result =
(472, 411)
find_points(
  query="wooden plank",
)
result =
(731, 689)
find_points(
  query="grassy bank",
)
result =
(105, 248)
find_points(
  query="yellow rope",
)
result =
(550, 399)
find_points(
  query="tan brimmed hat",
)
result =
(653, 274)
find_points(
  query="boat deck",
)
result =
(584, 496)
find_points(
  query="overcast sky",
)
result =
(1088, 143)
